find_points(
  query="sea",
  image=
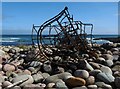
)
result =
(27, 39)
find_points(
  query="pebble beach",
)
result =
(20, 69)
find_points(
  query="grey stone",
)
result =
(105, 77)
(94, 65)
(102, 85)
(64, 75)
(90, 80)
(50, 85)
(99, 84)
(55, 78)
(48, 51)
(107, 56)
(115, 57)
(37, 77)
(5, 49)
(106, 86)
(2, 78)
(16, 87)
(12, 51)
(6, 83)
(106, 69)
(47, 67)
(27, 79)
(81, 73)
(1, 67)
(35, 64)
(109, 63)
(33, 86)
(60, 84)
(8, 67)
(117, 82)
(45, 75)
(82, 87)
(2, 53)
(100, 60)
(95, 72)
(92, 87)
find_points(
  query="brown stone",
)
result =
(75, 81)
(90, 80)
(8, 67)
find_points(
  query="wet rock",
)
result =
(9, 67)
(27, 79)
(60, 84)
(117, 82)
(81, 73)
(92, 87)
(105, 77)
(75, 81)
(90, 80)
(95, 72)
(37, 78)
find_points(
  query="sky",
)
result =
(19, 17)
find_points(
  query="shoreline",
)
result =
(112, 39)
(21, 66)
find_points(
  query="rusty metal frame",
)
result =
(66, 32)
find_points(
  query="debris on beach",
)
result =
(65, 61)
(63, 33)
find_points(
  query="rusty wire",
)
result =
(63, 32)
